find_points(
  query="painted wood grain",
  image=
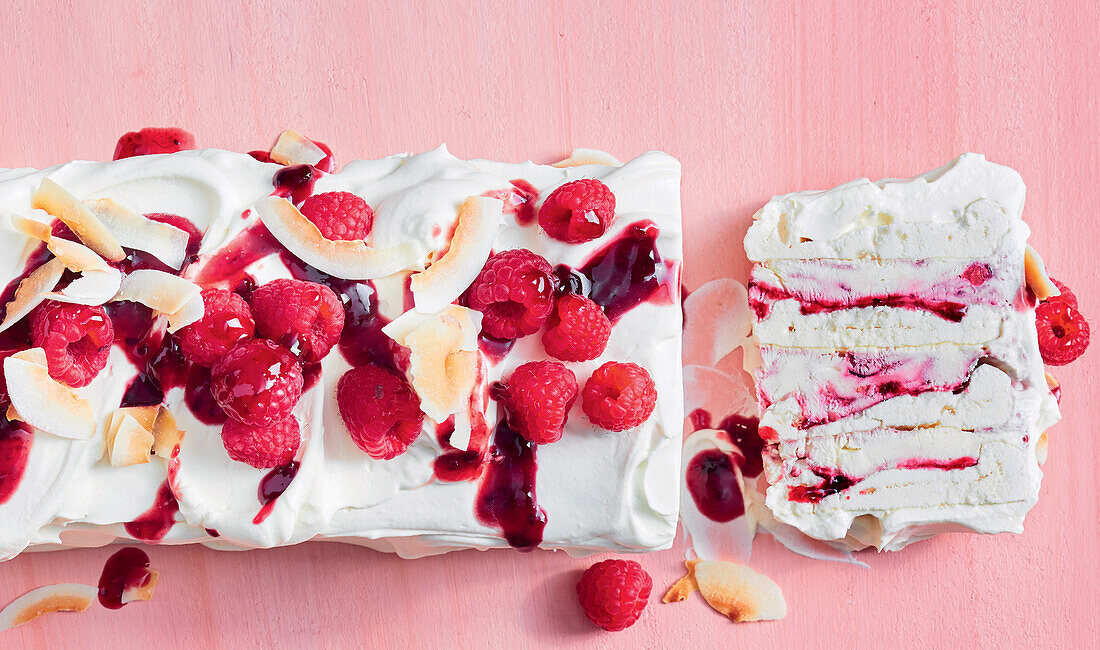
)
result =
(755, 98)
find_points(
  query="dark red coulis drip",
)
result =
(15, 448)
(743, 432)
(494, 349)
(211, 532)
(296, 182)
(455, 465)
(623, 274)
(155, 523)
(833, 480)
(161, 367)
(272, 486)
(506, 498)
(935, 463)
(712, 483)
(519, 201)
(200, 401)
(250, 245)
(127, 569)
(362, 340)
(762, 296)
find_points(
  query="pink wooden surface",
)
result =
(757, 99)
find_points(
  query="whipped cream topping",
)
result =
(600, 491)
(900, 381)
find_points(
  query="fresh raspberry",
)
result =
(1063, 332)
(539, 395)
(258, 382)
(226, 321)
(613, 593)
(514, 292)
(619, 396)
(339, 215)
(1065, 296)
(77, 340)
(262, 447)
(380, 410)
(153, 140)
(578, 211)
(304, 317)
(577, 330)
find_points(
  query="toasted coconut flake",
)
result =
(1041, 447)
(444, 281)
(191, 312)
(442, 360)
(98, 281)
(57, 201)
(164, 292)
(31, 227)
(738, 592)
(132, 230)
(131, 443)
(1035, 273)
(293, 148)
(167, 436)
(143, 591)
(91, 288)
(32, 291)
(33, 355)
(350, 260)
(67, 597)
(46, 404)
(683, 587)
(588, 157)
(12, 415)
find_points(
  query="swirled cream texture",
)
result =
(901, 387)
(599, 490)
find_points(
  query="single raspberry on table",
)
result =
(153, 140)
(226, 321)
(514, 292)
(578, 329)
(258, 382)
(77, 340)
(262, 447)
(305, 317)
(619, 396)
(1065, 296)
(539, 395)
(613, 593)
(380, 410)
(1063, 332)
(339, 215)
(578, 211)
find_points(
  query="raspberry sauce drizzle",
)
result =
(155, 523)
(743, 432)
(127, 569)
(296, 182)
(762, 296)
(623, 274)
(272, 486)
(15, 448)
(519, 201)
(712, 483)
(834, 481)
(362, 340)
(506, 498)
